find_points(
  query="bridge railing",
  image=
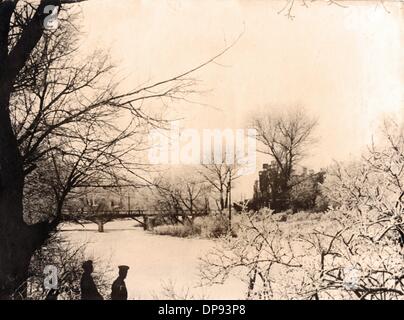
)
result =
(132, 212)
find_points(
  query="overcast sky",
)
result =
(342, 64)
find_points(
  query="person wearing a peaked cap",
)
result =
(88, 288)
(119, 291)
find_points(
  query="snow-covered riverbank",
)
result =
(155, 261)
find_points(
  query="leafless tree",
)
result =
(350, 264)
(368, 235)
(288, 6)
(221, 177)
(374, 186)
(255, 256)
(286, 139)
(183, 196)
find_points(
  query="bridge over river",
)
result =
(145, 218)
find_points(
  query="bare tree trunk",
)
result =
(15, 247)
(18, 241)
(223, 204)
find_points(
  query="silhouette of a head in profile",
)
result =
(88, 266)
(123, 271)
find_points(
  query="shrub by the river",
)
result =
(212, 226)
(177, 230)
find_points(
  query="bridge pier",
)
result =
(147, 223)
(100, 225)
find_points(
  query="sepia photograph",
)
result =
(189, 150)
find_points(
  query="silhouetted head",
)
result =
(88, 266)
(123, 271)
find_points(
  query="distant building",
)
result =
(263, 189)
(268, 191)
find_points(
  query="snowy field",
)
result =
(156, 262)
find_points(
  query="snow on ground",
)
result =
(155, 261)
